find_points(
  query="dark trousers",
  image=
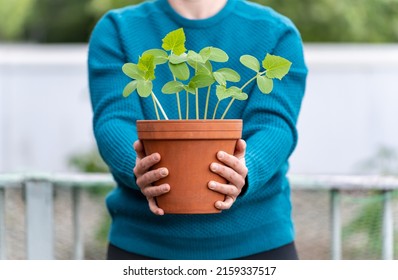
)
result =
(286, 252)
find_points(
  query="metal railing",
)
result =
(337, 184)
(38, 193)
(39, 190)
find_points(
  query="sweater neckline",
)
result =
(197, 23)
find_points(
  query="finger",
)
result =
(240, 149)
(238, 165)
(227, 189)
(139, 149)
(151, 177)
(228, 174)
(143, 165)
(154, 207)
(154, 191)
(226, 204)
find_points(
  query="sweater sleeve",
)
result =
(114, 116)
(270, 121)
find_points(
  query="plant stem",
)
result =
(197, 94)
(249, 81)
(197, 103)
(233, 99)
(229, 106)
(207, 102)
(187, 104)
(156, 107)
(178, 102)
(160, 107)
(215, 109)
(178, 105)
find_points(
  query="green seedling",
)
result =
(181, 61)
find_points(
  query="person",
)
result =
(256, 220)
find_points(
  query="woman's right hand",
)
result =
(146, 177)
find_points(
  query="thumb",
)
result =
(240, 149)
(139, 149)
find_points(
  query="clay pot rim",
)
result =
(189, 129)
(194, 125)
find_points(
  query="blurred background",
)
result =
(348, 123)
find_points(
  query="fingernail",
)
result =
(214, 167)
(212, 185)
(163, 172)
(155, 157)
(221, 155)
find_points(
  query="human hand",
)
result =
(146, 177)
(234, 171)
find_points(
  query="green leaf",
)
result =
(205, 53)
(144, 88)
(241, 96)
(204, 68)
(177, 59)
(222, 92)
(190, 89)
(131, 70)
(172, 87)
(130, 88)
(220, 78)
(229, 74)
(218, 55)
(214, 54)
(201, 81)
(160, 56)
(195, 60)
(180, 71)
(175, 41)
(146, 64)
(250, 62)
(265, 84)
(195, 57)
(276, 66)
(237, 93)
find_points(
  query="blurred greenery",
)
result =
(90, 162)
(15, 14)
(367, 224)
(384, 161)
(55, 21)
(342, 21)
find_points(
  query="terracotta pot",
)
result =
(187, 148)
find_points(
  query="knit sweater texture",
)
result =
(261, 217)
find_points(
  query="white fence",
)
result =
(45, 113)
(349, 111)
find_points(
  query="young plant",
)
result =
(180, 61)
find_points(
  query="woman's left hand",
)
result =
(234, 171)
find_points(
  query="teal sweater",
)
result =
(260, 219)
